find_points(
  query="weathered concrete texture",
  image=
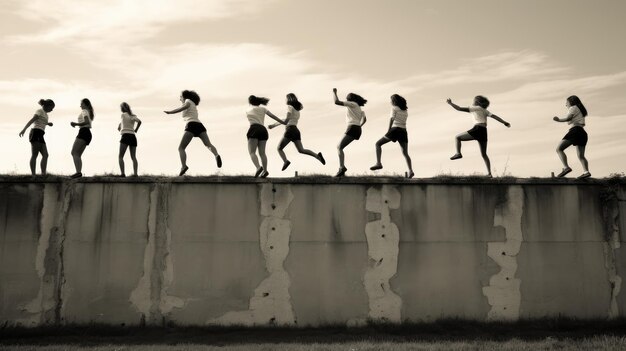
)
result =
(311, 254)
(503, 291)
(105, 237)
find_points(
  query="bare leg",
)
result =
(44, 159)
(262, 144)
(462, 137)
(184, 141)
(581, 157)
(345, 141)
(133, 156)
(77, 151)
(379, 149)
(302, 150)
(483, 153)
(564, 144)
(283, 142)
(405, 153)
(34, 151)
(120, 157)
(205, 139)
(252, 146)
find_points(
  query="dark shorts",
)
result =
(85, 134)
(257, 131)
(36, 136)
(129, 139)
(479, 133)
(577, 135)
(354, 131)
(195, 128)
(292, 133)
(397, 134)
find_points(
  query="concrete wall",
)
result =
(261, 253)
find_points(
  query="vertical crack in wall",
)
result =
(150, 297)
(383, 240)
(610, 212)
(271, 303)
(503, 291)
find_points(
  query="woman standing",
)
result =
(129, 140)
(85, 119)
(37, 141)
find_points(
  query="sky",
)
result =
(526, 56)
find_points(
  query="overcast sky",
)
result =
(526, 56)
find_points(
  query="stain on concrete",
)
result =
(383, 238)
(503, 291)
(271, 303)
(611, 214)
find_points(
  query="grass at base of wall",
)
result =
(454, 334)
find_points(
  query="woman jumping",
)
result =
(479, 131)
(292, 133)
(129, 140)
(355, 117)
(37, 142)
(396, 132)
(193, 128)
(85, 119)
(257, 134)
(575, 136)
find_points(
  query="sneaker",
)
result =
(218, 159)
(410, 174)
(258, 172)
(286, 164)
(183, 171)
(376, 167)
(584, 175)
(321, 158)
(564, 172)
(341, 172)
(76, 175)
(456, 157)
(264, 174)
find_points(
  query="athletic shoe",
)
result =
(76, 175)
(286, 164)
(376, 167)
(218, 159)
(321, 158)
(183, 171)
(564, 172)
(265, 174)
(584, 175)
(258, 172)
(456, 157)
(341, 172)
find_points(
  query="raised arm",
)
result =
(32, 120)
(507, 124)
(272, 116)
(180, 109)
(457, 107)
(337, 101)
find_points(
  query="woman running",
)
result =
(85, 119)
(396, 132)
(292, 133)
(129, 140)
(193, 128)
(37, 142)
(575, 136)
(355, 117)
(479, 131)
(257, 134)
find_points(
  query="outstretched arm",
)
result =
(272, 116)
(180, 109)
(32, 120)
(457, 107)
(337, 101)
(287, 118)
(507, 124)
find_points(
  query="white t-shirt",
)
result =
(399, 117)
(577, 116)
(294, 115)
(480, 114)
(42, 119)
(128, 123)
(84, 117)
(354, 114)
(191, 113)
(256, 114)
